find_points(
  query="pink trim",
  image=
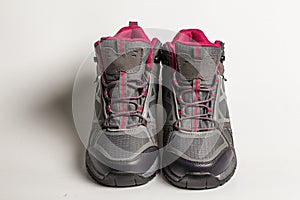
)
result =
(196, 98)
(148, 78)
(175, 81)
(153, 42)
(130, 33)
(105, 94)
(197, 44)
(194, 37)
(123, 95)
(149, 65)
(139, 108)
(218, 42)
(217, 80)
(197, 52)
(127, 39)
(144, 92)
(213, 95)
(180, 99)
(209, 110)
(108, 108)
(218, 69)
(149, 60)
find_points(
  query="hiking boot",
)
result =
(122, 149)
(198, 145)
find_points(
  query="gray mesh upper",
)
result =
(122, 145)
(127, 143)
(203, 146)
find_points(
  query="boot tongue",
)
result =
(125, 52)
(128, 57)
(197, 66)
(124, 60)
(197, 61)
(130, 61)
(197, 57)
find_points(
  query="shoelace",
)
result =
(198, 104)
(139, 85)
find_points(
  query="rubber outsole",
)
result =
(116, 178)
(197, 181)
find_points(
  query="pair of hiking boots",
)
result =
(197, 150)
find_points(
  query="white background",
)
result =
(42, 44)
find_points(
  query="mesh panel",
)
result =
(227, 132)
(198, 148)
(124, 145)
(223, 108)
